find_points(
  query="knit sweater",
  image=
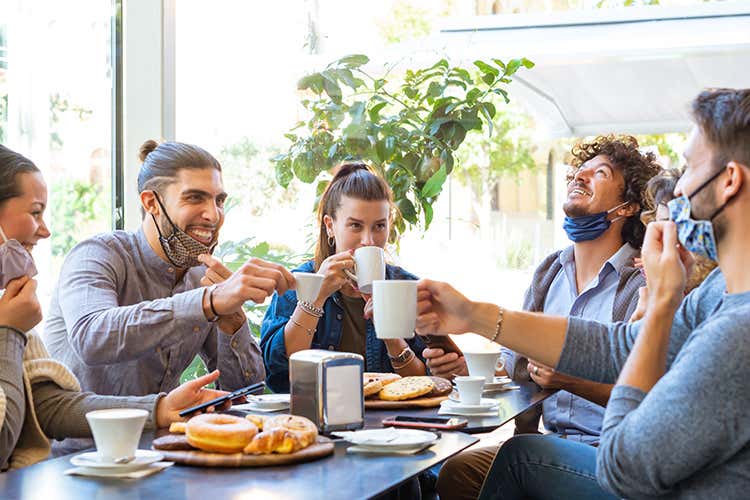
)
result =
(41, 399)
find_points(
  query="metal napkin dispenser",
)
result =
(326, 387)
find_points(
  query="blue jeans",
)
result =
(543, 467)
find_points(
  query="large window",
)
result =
(56, 108)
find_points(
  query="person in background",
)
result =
(40, 398)
(129, 314)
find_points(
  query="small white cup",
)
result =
(308, 285)
(116, 431)
(369, 266)
(470, 389)
(394, 308)
(484, 364)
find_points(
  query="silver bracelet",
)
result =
(310, 309)
(310, 331)
(499, 325)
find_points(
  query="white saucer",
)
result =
(499, 383)
(90, 460)
(484, 404)
(389, 438)
(266, 402)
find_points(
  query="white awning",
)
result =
(631, 70)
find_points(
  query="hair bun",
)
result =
(349, 167)
(146, 148)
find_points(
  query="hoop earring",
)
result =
(331, 241)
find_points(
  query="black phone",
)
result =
(443, 342)
(223, 399)
(443, 423)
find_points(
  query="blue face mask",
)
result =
(589, 227)
(697, 236)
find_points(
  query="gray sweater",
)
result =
(689, 437)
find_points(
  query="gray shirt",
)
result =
(124, 325)
(689, 437)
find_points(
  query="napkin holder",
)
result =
(326, 387)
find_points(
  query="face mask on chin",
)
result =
(181, 249)
(589, 227)
(15, 261)
(696, 235)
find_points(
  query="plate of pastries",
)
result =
(223, 440)
(392, 391)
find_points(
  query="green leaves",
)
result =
(409, 128)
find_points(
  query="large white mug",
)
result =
(369, 266)
(484, 364)
(308, 285)
(116, 432)
(394, 308)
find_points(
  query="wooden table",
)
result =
(344, 476)
(511, 404)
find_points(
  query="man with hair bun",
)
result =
(130, 313)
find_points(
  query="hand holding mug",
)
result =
(441, 309)
(334, 277)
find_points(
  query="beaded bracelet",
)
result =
(499, 325)
(310, 331)
(310, 309)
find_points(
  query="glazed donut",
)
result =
(305, 431)
(220, 433)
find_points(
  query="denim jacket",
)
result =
(327, 336)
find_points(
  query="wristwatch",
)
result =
(403, 357)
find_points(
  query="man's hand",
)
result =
(666, 263)
(441, 309)
(444, 365)
(19, 305)
(546, 377)
(255, 280)
(186, 396)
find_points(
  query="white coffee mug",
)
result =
(369, 266)
(116, 432)
(308, 285)
(469, 389)
(484, 364)
(394, 308)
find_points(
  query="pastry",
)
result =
(406, 388)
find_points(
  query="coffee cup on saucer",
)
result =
(469, 389)
(116, 432)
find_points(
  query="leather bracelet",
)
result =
(211, 304)
(310, 309)
(409, 358)
(310, 331)
(499, 325)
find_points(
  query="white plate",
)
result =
(266, 402)
(90, 460)
(484, 404)
(499, 383)
(389, 438)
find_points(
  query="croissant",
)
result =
(265, 442)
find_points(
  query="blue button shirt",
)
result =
(564, 413)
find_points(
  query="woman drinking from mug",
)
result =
(39, 397)
(355, 211)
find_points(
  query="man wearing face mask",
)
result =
(129, 313)
(676, 424)
(595, 278)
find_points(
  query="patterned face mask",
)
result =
(697, 236)
(15, 261)
(181, 249)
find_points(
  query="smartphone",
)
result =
(442, 423)
(443, 342)
(223, 399)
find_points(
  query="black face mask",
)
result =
(181, 249)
